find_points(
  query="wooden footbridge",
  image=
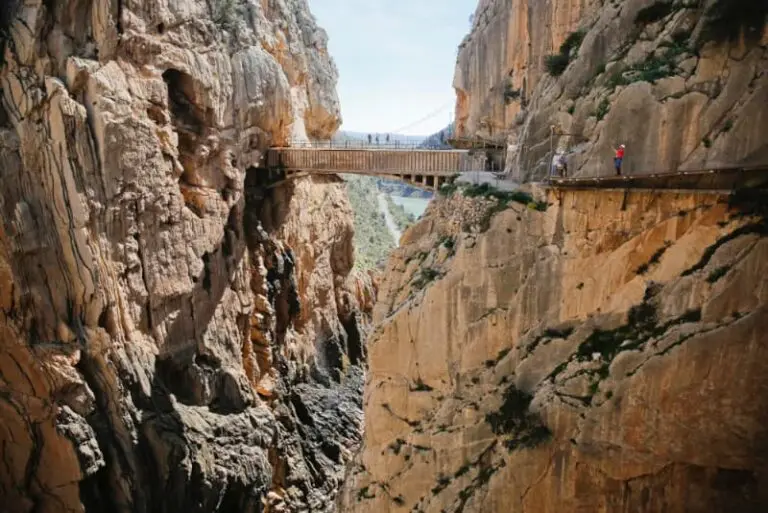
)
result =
(430, 168)
(424, 168)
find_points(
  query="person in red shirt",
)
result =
(619, 159)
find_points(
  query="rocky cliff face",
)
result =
(682, 84)
(607, 354)
(177, 333)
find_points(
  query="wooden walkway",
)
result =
(430, 168)
(715, 179)
(420, 167)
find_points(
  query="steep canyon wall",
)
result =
(175, 333)
(682, 84)
(583, 350)
(607, 354)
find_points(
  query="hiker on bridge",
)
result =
(619, 159)
(559, 165)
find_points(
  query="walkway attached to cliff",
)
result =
(422, 167)
(713, 179)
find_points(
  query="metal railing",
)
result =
(364, 145)
(715, 177)
(365, 161)
(715, 168)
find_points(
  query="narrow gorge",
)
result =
(183, 329)
(603, 350)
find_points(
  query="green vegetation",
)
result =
(558, 333)
(550, 333)
(727, 126)
(602, 109)
(749, 202)
(462, 470)
(442, 484)
(707, 142)
(516, 422)
(511, 94)
(447, 241)
(448, 189)
(557, 63)
(364, 493)
(420, 386)
(397, 445)
(656, 66)
(225, 14)
(654, 12)
(600, 69)
(572, 109)
(372, 239)
(728, 20)
(642, 325)
(503, 199)
(572, 42)
(402, 218)
(425, 276)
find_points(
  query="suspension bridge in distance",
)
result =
(421, 167)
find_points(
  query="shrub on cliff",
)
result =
(225, 14)
(514, 420)
(556, 64)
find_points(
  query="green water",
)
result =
(414, 206)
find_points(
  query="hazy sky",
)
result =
(396, 60)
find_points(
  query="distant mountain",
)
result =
(439, 140)
(343, 135)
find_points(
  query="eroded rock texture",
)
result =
(609, 354)
(682, 84)
(175, 334)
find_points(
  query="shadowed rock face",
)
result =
(608, 354)
(174, 335)
(682, 84)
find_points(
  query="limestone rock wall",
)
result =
(176, 332)
(608, 354)
(680, 83)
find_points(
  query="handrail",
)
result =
(361, 145)
(679, 172)
(719, 178)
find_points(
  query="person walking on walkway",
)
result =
(562, 166)
(553, 167)
(619, 159)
